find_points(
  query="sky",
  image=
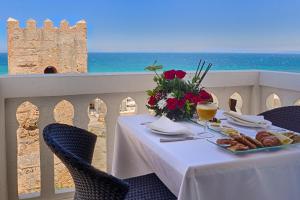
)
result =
(169, 25)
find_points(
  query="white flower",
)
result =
(170, 95)
(162, 104)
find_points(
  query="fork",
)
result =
(145, 123)
(184, 138)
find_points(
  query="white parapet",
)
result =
(253, 87)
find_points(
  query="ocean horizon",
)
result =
(136, 62)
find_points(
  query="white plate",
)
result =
(166, 133)
(251, 125)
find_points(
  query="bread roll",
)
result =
(254, 141)
(245, 141)
(228, 141)
(238, 147)
(260, 135)
(271, 141)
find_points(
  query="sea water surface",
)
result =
(136, 62)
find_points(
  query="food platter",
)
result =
(264, 149)
(234, 140)
(238, 143)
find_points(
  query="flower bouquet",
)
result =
(176, 96)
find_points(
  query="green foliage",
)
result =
(154, 67)
(150, 92)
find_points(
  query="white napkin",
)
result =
(247, 119)
(164, 124)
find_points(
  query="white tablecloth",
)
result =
(199, 170)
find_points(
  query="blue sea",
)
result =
(136, 62)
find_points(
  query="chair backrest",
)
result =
(75, 146)
(285, 117)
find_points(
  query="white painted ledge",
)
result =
(74, 84)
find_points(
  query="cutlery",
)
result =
(180, 139)
(145, 123)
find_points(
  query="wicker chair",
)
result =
(285, 117)
(75, 146)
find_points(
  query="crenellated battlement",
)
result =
(48, 24)
(31, 49)
(31, 24)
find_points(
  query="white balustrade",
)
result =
(45, 91)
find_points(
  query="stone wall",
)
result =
(32, 49)
(63, 113)
(29, 178)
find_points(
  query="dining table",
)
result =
(197, 169)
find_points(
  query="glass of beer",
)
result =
(206, 112)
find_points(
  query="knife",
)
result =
(179, 139)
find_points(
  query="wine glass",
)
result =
(206, 112)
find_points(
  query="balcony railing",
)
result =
(255, 92)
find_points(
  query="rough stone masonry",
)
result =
(32, 49)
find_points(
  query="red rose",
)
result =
(181, 103)
(188, 96)
(180, 74)
(170, 75)
(195, 99)
(204, 96)
(172, 103)
(152, 101)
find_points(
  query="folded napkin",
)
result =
(247, 119)
(164, 124)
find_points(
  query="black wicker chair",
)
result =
(75, 146)
(285, 117)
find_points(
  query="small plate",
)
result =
(230, 120)
(166, 133)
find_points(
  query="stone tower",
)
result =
(31, 50)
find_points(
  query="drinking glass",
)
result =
(206, 112)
